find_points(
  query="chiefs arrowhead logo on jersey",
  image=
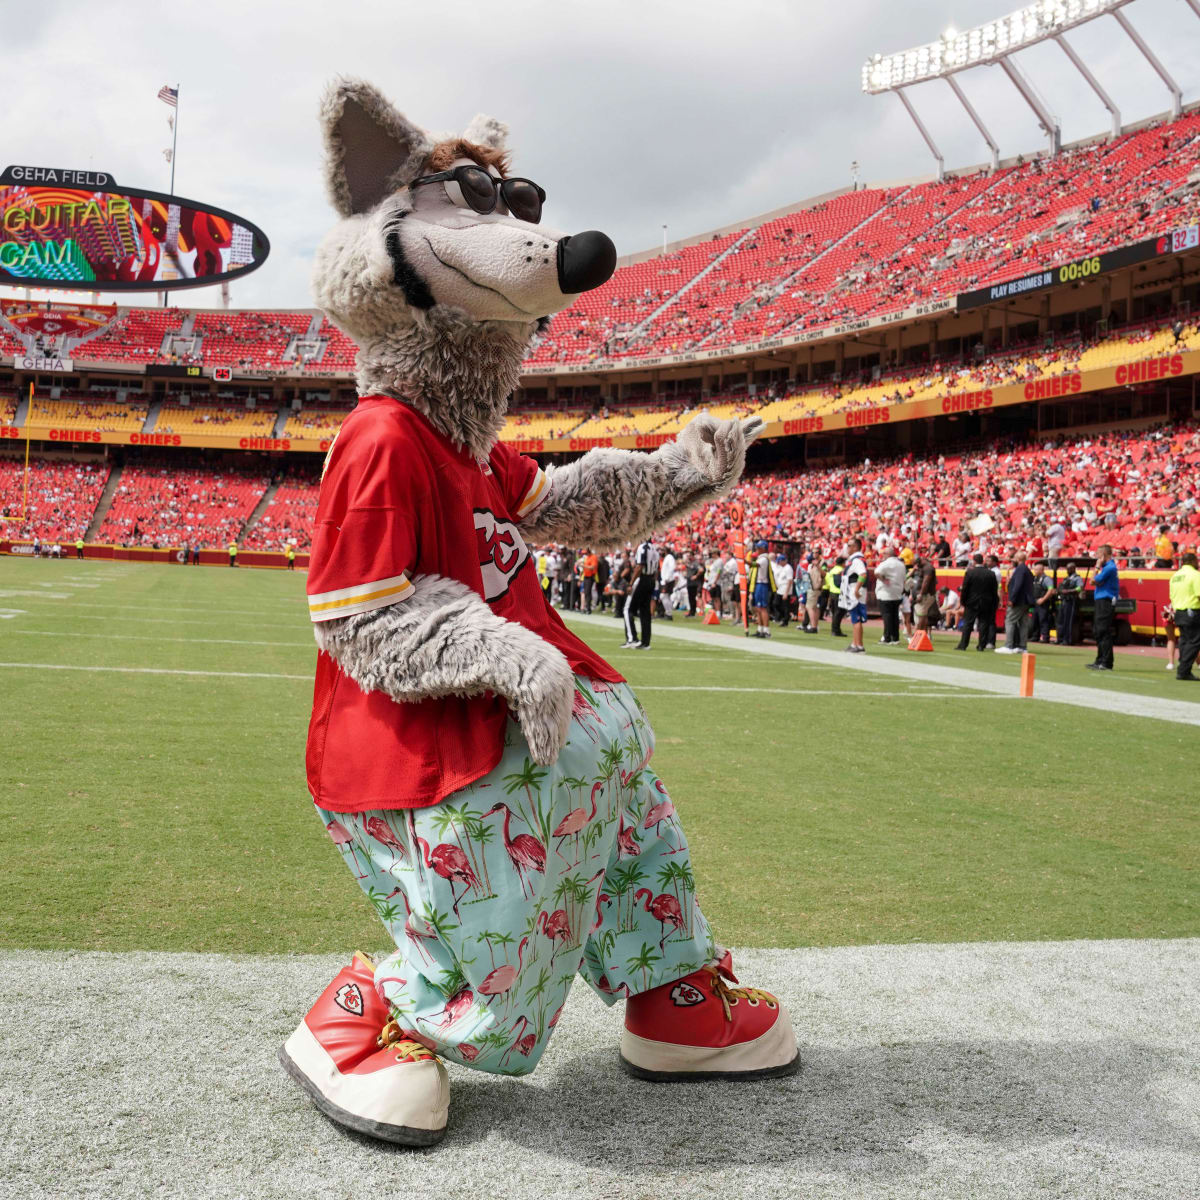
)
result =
(502, 553)
(350, 998)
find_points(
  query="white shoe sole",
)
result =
(771, 1055)
(407, 1105)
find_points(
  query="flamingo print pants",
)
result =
(501, 894)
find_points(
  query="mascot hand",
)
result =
(543, 697)
(709, 455)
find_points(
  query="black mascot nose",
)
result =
(585, 261)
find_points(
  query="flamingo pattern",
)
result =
(494, 921)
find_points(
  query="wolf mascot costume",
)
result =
(484, 773)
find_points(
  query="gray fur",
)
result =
(486, 131)
(371, 150)
(457, 372)
(444, 640)
(611, 496)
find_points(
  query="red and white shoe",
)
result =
(701, 1028)
(361, 1070)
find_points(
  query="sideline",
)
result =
(982, 1069)
(1181, 712)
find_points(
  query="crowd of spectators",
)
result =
(1116, 487)
(163, 504)
(288, 518)
(62, 496)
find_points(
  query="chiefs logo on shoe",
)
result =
(683, 995)
(350, 998)
(361, 1069)
(745, 1034)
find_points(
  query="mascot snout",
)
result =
(585, 261)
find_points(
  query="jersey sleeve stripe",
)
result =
(346, 602)
(538, 491)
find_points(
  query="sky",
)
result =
(631, 115)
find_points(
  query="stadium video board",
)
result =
(79, 230)
(1080, 270)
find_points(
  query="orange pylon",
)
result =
(920, 641)
(1028, 665)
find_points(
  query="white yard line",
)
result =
(144, 637)
(47, 614)
(153, 671)
(1182, 712)
(908, 695)
(215, 611)
(308, 679)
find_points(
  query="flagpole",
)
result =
(174, 143)
(174, 138)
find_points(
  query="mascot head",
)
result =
(440, 268)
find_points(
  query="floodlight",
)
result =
(956, 50)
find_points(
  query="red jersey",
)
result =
(398, 500)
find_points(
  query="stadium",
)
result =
(971, 877)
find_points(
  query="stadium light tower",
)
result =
(995, 43)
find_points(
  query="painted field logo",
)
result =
(350, 998)
(683, 995)
(502, 553)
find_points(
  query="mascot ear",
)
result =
(486, 131)
(371, 150)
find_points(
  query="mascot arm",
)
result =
(444, 640)
(612, 496)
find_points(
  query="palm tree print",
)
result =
(643, 961)
(530, 779)
(599, 929)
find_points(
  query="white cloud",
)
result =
(629, 114)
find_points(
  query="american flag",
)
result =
(169, 95)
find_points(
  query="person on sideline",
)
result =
(924, 591)
(291, 557)
(1107, 585)
(1069, 589)
(762, 587)
(641, 595)
(1043, 602)
(784, 575)
(889, 591)
(980, 598)
(233, 554)
(852, 595)
(816, 578)
(1020, 600)
(1185, 611)
(833, 581)
(79, 547)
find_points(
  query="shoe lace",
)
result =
(393, 1037)
(729, 996)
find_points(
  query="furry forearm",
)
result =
(444, 640)
(608, 497)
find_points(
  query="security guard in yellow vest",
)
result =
(291, 557)
(1185, 606)
(233, 554)
(79, 547)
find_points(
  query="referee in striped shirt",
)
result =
(641, 595)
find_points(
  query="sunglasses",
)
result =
(475, 188)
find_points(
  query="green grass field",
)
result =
(824, 806)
